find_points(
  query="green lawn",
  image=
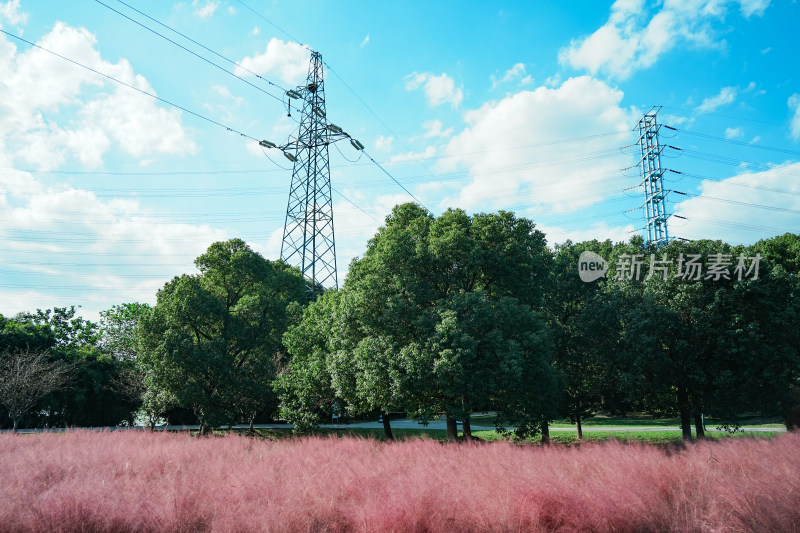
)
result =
(560, 437)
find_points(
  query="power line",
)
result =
(265, 19)
(397, 182)
(737, 143)
(151, 95)
(204, 47)
(191, 51)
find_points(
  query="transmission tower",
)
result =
(652, 177)
(308, 238)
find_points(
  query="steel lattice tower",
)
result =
(308, 239)
(652, 174)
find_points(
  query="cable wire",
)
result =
(223, 69)
(151, 95)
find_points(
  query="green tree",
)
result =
(415, 285)
(212, 340)
(583, 353)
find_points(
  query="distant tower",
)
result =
(308, 241)
(652, 174)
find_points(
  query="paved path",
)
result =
(405, 423)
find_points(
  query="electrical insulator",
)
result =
(290, 157)
(334, 128)
(267, 144)
(357, 145)
(293, 94)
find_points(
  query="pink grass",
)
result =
(130, 481)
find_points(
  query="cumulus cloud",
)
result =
(438, 89)
(38, 85)
(10, 12)
(384, 143)
(753, 7)
(507, 147)
(733, 209)
(726, 96)
(287, 60)
(634, 39)
(434, 128)
(517, 72)
(597, 230)
(733, 133)
(794, 106)
(207, 9)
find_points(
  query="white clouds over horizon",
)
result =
(729, 209)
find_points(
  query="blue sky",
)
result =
(106, 193)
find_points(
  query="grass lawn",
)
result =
(559, 437)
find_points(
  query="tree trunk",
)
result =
(252, 422)
(204, 430)
(466, 429)
(16, 422)
(683, 407)
(698, 425)
(579, 426)
(452, 429)
(545, 432)
(387, 427)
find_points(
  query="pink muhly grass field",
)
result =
(138, 481)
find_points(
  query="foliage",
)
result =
(433, 318)
(212, 340)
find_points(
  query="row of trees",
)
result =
(441, 315)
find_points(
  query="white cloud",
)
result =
(428, 153)
(733, 133)
(507, 147)
(516, 72)
(726, 96)
(39, 85)
(753, 7)
(599, 230)
(365, 42)
(794, 106)
(206, 10)
(719, 212)
(438, 89)
(633, 40)
(384, 144)
(433, 128)
(287, 60)
(255, 31)
(10, 12)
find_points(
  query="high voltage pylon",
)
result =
(652, 178)
(308, 236)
